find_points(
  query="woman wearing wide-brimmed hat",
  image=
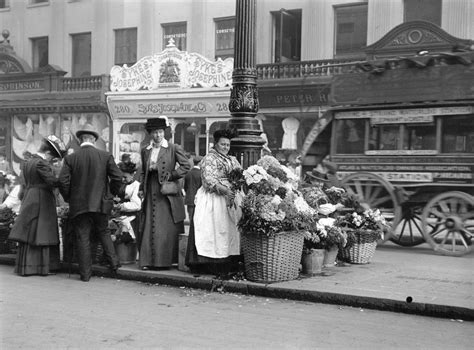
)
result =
(162, 214)
(36, 228)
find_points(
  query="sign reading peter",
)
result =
(172, 68)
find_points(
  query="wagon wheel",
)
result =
(376, 192)
(409, 231)
(448, 223)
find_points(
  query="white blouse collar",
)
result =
(164, 144)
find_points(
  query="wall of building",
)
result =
(58, 19)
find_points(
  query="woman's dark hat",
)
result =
(57, 145)
(127, 167)
(155, 124)
(87, 129)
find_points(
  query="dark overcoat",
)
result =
(84, 180)
(192, 182)
(37, 222)
(168, 157)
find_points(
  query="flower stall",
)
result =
(274, 218)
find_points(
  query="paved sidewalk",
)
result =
(411, 280)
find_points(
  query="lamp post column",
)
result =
(243, 103)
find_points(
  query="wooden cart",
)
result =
(441, 214)
(403, 134)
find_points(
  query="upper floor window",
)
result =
(81, 54)
(177, 32)
(425, 10)
(4, 4)
(350, 30)
(40, 52)
(287, 35)
(225, 33)
(126, 46)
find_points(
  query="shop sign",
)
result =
(16, 86)
(172, 68)
(404, 115)
(293, 96)
(119, 109)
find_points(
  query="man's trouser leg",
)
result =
(82, 227)
(101, 223)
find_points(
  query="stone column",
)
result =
(243, 103)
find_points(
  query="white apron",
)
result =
(215, 225)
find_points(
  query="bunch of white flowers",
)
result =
(254, 174)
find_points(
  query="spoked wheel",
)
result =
(409, 231)
(448, 223)
(375, 192)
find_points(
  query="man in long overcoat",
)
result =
(87, 181)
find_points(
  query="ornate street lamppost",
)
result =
(243, 103)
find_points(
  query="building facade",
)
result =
(302, 45)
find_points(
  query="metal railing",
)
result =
(300, 69)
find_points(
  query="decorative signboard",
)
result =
(172, 68)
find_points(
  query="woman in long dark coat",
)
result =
(163, 215)
(36, 227)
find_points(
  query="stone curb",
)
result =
(271, 291)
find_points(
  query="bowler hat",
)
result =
(316, 175)
(57, 145)
(155, 124)
(87, 129)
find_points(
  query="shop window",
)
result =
(225, 32)
(177, 32)
(131, 139)
(350, 30)
(4, 4)
(125, 46)
(350, 136)
(40, 52)
(28, 131)
(425, 10)
(458, 134)
(81, 55)
(287, 35)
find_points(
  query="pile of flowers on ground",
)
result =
(272, 202)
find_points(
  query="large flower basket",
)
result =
(272, 258)
(363, 248)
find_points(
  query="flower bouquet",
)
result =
(363, 230)
(274, 218)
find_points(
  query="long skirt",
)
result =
(36, 260)
(159, 242)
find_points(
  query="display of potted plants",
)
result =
(274, 218)
(364, 228)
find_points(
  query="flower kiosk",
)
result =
(191, 90)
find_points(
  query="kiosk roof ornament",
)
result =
(172, 68)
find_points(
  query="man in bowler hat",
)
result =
(88, 180)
